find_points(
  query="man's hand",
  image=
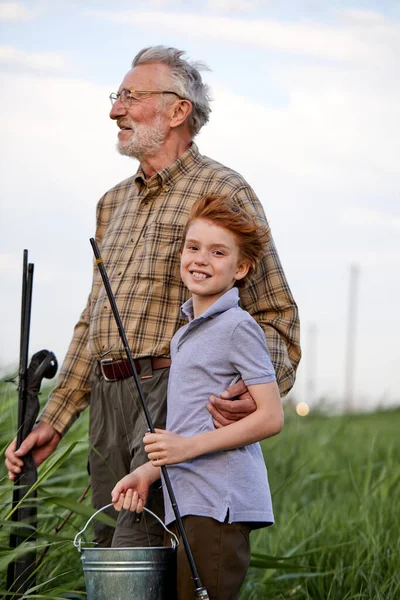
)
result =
(42, 440)
(225, 410)
(167, 448)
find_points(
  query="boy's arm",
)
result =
(166, 448)
(131, 491)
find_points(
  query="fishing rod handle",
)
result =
(201, 593)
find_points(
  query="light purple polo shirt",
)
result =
(207, 354)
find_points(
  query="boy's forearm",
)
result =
(149, 471)
(250, 429)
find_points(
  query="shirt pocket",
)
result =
(160, 258)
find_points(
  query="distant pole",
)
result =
(350, 341)
(310, 362)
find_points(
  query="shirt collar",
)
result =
(167, 177)
(229, 300)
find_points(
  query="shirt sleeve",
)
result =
(249, 353)
(267, 297)
(71, 394)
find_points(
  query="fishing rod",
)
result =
(21, 570)
(200, 591)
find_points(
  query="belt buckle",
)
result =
(106, 361)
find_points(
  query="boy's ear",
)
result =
(242, 270)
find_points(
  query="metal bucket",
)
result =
(129, 573)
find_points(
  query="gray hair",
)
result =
(186, 80)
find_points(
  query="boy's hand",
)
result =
(129, 500)
(233, 404)
(131, 492)
(167, 448)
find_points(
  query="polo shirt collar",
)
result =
(167, 177)
(229, 300)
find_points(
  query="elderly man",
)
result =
(161, 104)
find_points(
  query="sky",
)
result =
(306, 106)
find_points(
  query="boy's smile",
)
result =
(210, 263)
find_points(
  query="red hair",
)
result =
(251, 236)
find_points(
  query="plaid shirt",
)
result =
(139, 230)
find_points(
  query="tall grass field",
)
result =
(335, 483)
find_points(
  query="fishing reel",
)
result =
(43, 365)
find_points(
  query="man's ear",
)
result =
(180, 112)
(242, 270)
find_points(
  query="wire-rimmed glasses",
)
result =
(128, 96)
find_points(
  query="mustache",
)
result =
(125, 122)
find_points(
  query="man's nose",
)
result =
(117, 110)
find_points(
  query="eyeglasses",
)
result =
(129, 96)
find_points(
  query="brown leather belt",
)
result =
(114, 370)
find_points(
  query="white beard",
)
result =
(145, 141)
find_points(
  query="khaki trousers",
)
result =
(116, 429)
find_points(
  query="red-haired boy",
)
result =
(218, 475)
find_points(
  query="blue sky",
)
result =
(306, 106)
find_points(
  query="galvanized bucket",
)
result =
(129, 573)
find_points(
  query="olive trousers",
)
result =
(116, 429)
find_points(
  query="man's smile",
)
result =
(125, 125)
(124, 130)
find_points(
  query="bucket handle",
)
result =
(78, 542)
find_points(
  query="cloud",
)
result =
(34, 61)
(11, 267)
(315, 160)
(330, 132)
(8, 263)
(330, 257)
(338, 42)
(65, 129)
(14, 11)
(365, 18)
(233, 6)
(368, 218)
(323, 162)
(57, 158)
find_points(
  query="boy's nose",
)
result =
(201, 259)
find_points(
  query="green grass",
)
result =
(62, 480)
(335, 483)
